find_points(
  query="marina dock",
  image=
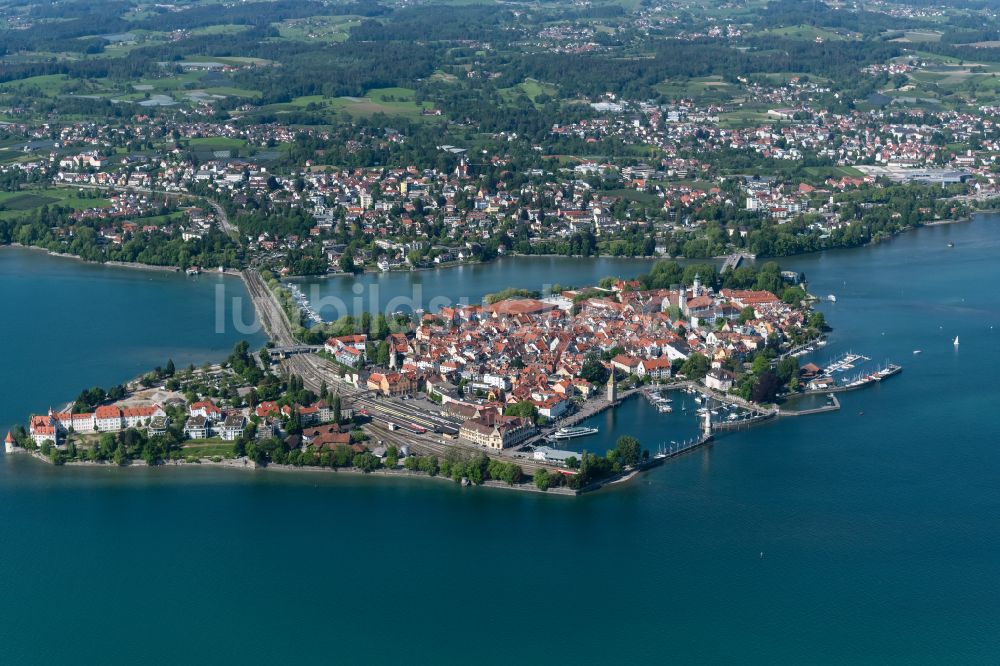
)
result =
(303, 303)
(845, 362)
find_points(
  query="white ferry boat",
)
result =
(572, 433)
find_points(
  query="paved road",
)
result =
(224, 223)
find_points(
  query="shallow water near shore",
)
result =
(868, 534)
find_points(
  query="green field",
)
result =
(530, 88)
(15, 204)
(644, 198)
(809, 32)
(23, 200)
(744, 118)
(705, 89)
(318, 28)
(230, 91)
(833, 172)
(390, 101)
(49, 85)
(216, 143)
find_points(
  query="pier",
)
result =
(832, 406)
(753, 415)
(860, 380)
(733, 261)
(845, 362)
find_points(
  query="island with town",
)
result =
(482, 394)
(293, 140)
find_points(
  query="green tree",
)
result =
(366, 462)
(627, 451)
(524, 408)
(542, 479)
(696, 366)
(788, 368)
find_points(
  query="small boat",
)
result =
(831, 298)
(916, 351)
(194, 270)
(951, 244)
(956, 341)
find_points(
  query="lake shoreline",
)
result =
(131, 265)
(244, 464)
(459, 264)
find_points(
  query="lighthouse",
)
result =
(612, 387)
(706, 424)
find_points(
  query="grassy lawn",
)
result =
(207, 448)
(159, 220)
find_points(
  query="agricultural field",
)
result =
(388, 101)
(318, 28)
(15, 204)
(918, 36)
(532, 89)
(702, 89)
(809, 32)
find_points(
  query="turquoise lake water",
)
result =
(867, 535)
